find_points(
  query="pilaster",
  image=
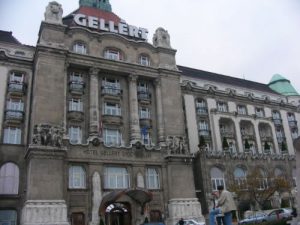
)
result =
(94, 102)
(159, 112)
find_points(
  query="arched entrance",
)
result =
(118, 211)
(118, 214)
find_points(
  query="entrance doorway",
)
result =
(118, 213)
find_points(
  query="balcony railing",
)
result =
(202, 111)
(204, 132)
(249, 136)
(17, 87)
(76, 87)
(14, 115)
(277, 122)
(111, 90)
(144, 95)
(227, 134)
(292, 123)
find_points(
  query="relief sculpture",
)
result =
(176, 145)
(47, 135)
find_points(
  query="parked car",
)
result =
(257, 217)
(269, 215)
(191, 222)
(279, 214)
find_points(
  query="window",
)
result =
(116, 178)
(76, 77)
(203, 125)
(76, 82)
(144, 113)
(8, 217)
(217, 178)
(112, 54)
(222, 107)
(77, 177)
(259, 112)
(240, 178)
(111, 86)
(145, 135)
(112, 137)
(80, 48)
(112, 109)
(144, 60)
(75, 104)
(75, 135)
(294, 133)
(143, 86)
(12, 135)
(276, 115)
(16, 77)
(9, 179)
(152, 178)
(14, 108)
(291, 117)
(201, 107)
(241, 110)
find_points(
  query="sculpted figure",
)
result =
(161, 38)
(53, 13)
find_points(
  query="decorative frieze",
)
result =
(41, 212)
(48, 135)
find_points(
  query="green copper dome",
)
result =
(282, 85)
(100, 4)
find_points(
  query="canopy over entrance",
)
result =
(138, 195)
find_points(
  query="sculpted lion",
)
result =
(53, 13)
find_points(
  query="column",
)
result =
(257, 137)
(239, 141)
(135, 134)
(94, 102)
(287, 132)
(159, 112)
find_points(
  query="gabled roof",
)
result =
(218, 78)
(6, 36)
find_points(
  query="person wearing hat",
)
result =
(224, 206)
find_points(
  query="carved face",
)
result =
(54, 7)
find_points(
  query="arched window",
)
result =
(77, 177)
(217, 178)
(79, 47)
(152, 178)
(9, 179)
(144, 60)
(240, 177)
(113, 54)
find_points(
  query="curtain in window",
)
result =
(9, 179)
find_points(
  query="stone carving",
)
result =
(161, 38)
(53, 13)
(45, 134)
(176, 145)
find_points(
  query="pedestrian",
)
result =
(219, 217)
(225, 205)
(181, 221)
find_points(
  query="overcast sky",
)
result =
(251, 39)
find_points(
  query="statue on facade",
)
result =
(47, 135)
(53, 13)
(161, 38)
(176, 145)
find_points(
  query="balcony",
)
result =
(76, 87)
(112, 91)
(249, 136)
(277, 122)
(145, 122)
(204, 132)
(293, 123)
(227, 133)
(112, 119)
(202, 111)
(144, 96)
(74, 115)
(14, 116)
(17, 88)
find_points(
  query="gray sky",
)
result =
(251, 39)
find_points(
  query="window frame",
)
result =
(144, 60)
(13, 218)
(12, 135)
(79, 47)
(242, 109)
(9, 174)
(118, 179)
(75, 105)
(113, 54)
(152, 178)
(112, 109)
(76, 132)
(222, 106)
(77, 177)
(117, 137)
